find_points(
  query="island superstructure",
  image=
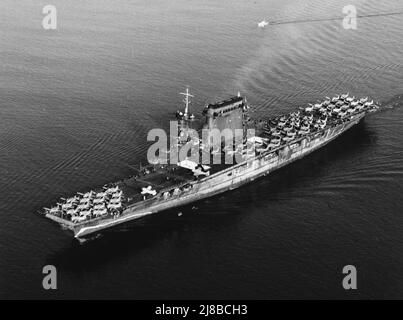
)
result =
(277, 142)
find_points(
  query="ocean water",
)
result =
(76, 104)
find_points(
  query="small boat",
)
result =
(263, 24)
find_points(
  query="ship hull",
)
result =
(222, 181)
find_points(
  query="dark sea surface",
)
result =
(76, 105)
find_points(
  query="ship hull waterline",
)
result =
(220, 182)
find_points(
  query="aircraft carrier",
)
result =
(159, 186)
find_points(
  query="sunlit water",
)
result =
(76, 105)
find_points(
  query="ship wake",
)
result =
(393, 103)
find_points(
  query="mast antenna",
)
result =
(186, 100)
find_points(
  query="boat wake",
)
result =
(371, 15)
(86, 240)
(393, 103)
